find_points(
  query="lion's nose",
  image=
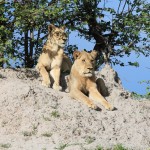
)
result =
(65, 38)
(90, 68)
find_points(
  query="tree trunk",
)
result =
(31, 60)
(26, 48)
(101, 42)
(1, 61)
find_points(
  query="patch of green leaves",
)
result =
(139, 96)
(89, 139)
(136, 64)
(119, 147)
(99, 148)
(115, 147)
(7, 145)
(26, 133)
(47, 134)
(55, 114)
(62, 146)
(146, 95)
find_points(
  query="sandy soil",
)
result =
(33, 117)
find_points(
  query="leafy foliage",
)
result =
(117, 31)
(146, 95)
(139, 96)
(119, 147)
(147, 82)
(6, 48)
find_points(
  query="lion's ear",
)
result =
(94, 54)
(51, 27)
(63, 27)
(76, 54)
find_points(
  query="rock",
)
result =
(33, 117)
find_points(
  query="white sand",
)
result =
(33, 117)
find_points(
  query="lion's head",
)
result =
(57, 35)
(85, 62)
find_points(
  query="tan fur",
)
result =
(53, 60)
(82, 80)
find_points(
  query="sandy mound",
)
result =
(33, 117)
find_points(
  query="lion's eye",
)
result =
(92, 61)
(57, 34)
(64, 34)
(83, 60)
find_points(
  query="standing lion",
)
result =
(53, 59)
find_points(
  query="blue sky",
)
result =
(129, 75)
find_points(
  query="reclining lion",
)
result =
(52, 59)
(83, 81)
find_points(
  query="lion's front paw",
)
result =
(46, 83)
(57, 87)
(110, 108)
(93, 106)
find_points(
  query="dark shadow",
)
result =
(24, 73)
(98, 109)
(114, 109)
(2, 77)
(64, 80)
(102, 87)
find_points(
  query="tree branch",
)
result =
(124, 7)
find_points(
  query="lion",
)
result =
(82, 80)
(52, 59)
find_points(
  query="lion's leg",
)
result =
(77, 94)
(95, 95)
(55, 73)
(45, 76)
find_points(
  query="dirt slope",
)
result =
(33, 117)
